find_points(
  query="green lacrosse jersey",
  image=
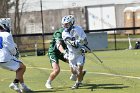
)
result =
(57, 37)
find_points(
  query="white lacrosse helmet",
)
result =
(6, 23)
(68, 20)
(2, 26)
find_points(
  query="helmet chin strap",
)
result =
(70, 28)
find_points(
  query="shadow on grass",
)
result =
(86, 86)
(104, 86)
(44, 91)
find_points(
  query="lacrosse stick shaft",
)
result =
(94, 54)
(97, 57)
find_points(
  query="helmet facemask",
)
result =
(68, 21)
(67, 25)
(2, 27)
(5, 24)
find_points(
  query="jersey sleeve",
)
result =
(80, 32)
(80, 35)
(57, 36)
(10, 45)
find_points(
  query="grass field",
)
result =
(119, 73)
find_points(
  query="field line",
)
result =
(108, 74)
(99, 73)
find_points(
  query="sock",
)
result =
(78, 81)
(49, 81)
(16, 81)
(75, 74)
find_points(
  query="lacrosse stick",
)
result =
(93, 53)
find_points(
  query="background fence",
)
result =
(31, 44)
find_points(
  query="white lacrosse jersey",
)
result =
(76, 33)
(7, 47)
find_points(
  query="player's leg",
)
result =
(73, 69)
(19, 68)
(19, 76)
(73, 76)
(55, 70)
(79, 78)
(80, 75)
(53, 74)
(80, 63)
(72, 64)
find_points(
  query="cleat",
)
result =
(26, 89)
(48, 85)
(75, 86)
(73, 77)
(15, 87)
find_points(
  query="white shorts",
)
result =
(11, 65)
(79, 60)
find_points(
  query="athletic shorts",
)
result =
(11, 65)
(77, 60)
(55, 57)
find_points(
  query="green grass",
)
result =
(120, 45)
(118, 74)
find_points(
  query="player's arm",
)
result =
(69, 39)
(81, 35)
(58, 39)
(10, 45)
(72, 42)
(60, 47)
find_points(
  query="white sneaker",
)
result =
(48, 85)
(26, 89)
(76, 86)
(15, 86)
(73, 77)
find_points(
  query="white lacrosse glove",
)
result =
(88, 51)
(83, 50)
(66, 55)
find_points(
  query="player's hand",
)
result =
(82, 50)
(66, 54)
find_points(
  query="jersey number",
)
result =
(1, 46)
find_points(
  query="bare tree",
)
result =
(4, 7)
(18, 16)
(17, 21)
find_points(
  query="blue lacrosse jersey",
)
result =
(7, 47)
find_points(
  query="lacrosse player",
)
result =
(9, 61)
(75, 38)
(56, 51)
